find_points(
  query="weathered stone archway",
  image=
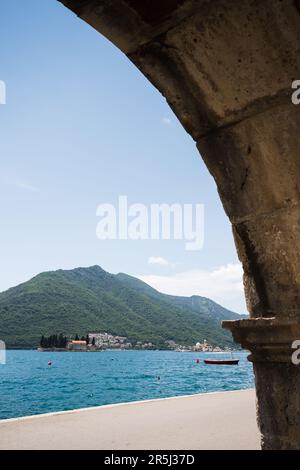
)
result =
(226, 68)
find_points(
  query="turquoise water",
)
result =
(77, 380)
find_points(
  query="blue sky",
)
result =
(82, 126)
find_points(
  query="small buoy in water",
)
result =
(49, 363)
(197, 361)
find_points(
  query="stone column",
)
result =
(277, 379)
(256, 164)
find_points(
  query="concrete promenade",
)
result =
(222, 420)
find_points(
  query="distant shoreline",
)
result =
(126, 350)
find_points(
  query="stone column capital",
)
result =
(268, 339)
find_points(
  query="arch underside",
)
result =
(226, 68)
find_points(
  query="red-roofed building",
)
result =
(77, 345)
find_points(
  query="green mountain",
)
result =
(86, 300)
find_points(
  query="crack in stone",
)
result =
(266, 103)
(245, 179)
(248, 218)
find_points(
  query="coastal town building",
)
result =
(108, 341)
(199, 347)
(77, 345)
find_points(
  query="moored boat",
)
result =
(226, 362)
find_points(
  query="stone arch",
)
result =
(226, 68)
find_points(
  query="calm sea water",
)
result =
(76, 380)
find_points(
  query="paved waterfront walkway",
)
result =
(208, 421)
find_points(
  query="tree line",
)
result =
(60, 341)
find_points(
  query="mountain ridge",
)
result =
(82, 300)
